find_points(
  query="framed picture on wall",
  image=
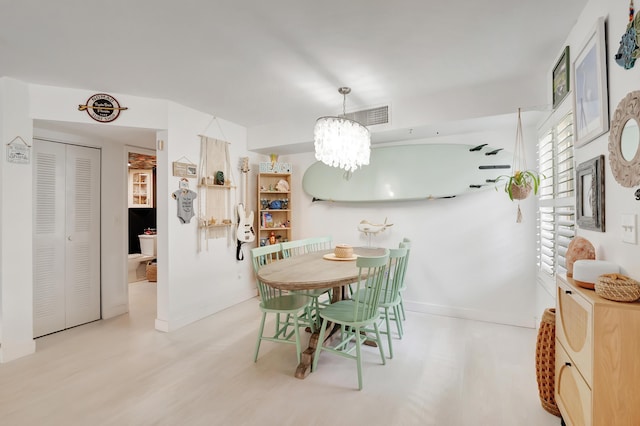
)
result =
(590, 194)
(561, 78)
(589, 79)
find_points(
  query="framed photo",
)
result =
(561, 78)
(590, 194)
(590, 98)
(188, 170)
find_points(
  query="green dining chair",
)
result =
(296, 248)
(389, 303)
(314, 244)
(273, 301)
(405, 243)
(357, 314)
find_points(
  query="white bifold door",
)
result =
(66, 236)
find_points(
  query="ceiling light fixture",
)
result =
(341, 142)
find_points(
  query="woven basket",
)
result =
(152, 271)
(617, 287)
(545, 361)
(520, 192)
(343, 251)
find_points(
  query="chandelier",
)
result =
(341, 142)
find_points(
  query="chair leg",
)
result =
(359, 357)
(404, 315)
(255, 358)
(399, 326)
(375, 326)
(387, 323)
(314, 365)
(297, 334)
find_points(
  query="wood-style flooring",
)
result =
(121, 371)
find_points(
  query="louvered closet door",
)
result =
(66, 236)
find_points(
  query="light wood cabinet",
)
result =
(274, 207)
(140, 188)
(597, 379)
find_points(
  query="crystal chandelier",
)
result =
(341, 142)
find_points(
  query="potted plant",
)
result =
(519, 185)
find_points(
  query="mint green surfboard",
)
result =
(411, 172)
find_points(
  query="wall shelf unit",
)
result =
(274, 204)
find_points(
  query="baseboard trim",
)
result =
(13, 351)
(470, 314)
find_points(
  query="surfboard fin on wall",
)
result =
(494, 152)
(478, 148)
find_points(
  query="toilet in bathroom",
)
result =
(148, 245)
(138, 261)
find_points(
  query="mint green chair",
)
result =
(389, 303)
(405, 243)
(314, 244)
(296, 248)
(273, 301)
(356, 315)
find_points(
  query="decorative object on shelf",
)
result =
(587, 271)
(272, 237)
(590, 99)
(579, 248)
(617, 287)
(18, 151)
(519, 184)
(219, 180)
(102, 107)
(590, 194)
(545, 361)
(275, 204)
(561, 78)
(341, 142)
(275, 167)
(624, 141)
(282, 186)
(629, 49)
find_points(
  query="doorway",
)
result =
(141, 212)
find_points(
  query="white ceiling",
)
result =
(256, 62)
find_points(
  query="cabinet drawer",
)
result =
(572, 393)
(574, 328)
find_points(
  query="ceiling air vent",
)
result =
(370, 117)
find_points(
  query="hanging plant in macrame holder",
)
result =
(520, 184)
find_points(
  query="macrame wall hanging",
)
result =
(215, 215)
(629, 49)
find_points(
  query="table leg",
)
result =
(306, 359)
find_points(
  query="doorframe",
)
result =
(128, 148)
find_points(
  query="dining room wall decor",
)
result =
(590, 95)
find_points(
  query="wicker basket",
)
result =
(152, 271)
(545, 361)
(617, 287)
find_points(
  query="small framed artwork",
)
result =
(590, 98)
(561, 78)
(590, 194)
(188, 170)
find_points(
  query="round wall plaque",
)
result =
(102, 107)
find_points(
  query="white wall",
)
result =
(618, 200)
(191, 284)
(16, 294)
(469, 257)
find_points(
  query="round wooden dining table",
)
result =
(312, 271)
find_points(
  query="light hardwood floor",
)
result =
(121, 371)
